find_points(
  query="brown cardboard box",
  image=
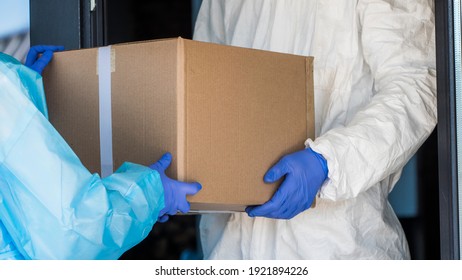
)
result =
(225, 113)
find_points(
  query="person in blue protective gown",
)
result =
(51, 206)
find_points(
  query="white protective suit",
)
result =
(375, 99)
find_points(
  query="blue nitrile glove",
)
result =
(304, 171)
(38, 62)
(175, 192)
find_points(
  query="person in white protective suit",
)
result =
(51, 206)
(375, 104)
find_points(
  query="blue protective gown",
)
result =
(51, 206)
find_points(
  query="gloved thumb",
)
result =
(163, 219)
(276, 172)
(163, 163)
(43, 61)
(190, 188)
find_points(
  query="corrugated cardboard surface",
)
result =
(71, 87)
(226, 113)
(244, 110)
(144, 116)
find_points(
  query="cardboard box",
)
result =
(225, 113)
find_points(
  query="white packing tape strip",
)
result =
(105, 111)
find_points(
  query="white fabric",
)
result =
(375, 99)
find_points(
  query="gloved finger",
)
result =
(36, 50)
(44, 48)
(249, 209)
(43, 61)
(253, 212)
(275, 204)
(162, 212)
(173, 210)
(189, 188)
(264, 210)
(289, 213)
(45, 58)
(163, 163)
(276, 172)
(31, 57)
(163, 218)
(184, 206)
(56, 48)
(285, 212)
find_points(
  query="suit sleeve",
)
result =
(397, 40)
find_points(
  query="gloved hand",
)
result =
(174, 191)
(304, 171)
(38, 62)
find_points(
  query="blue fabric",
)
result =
(8, 250)
(51, 206)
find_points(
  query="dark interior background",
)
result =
(144, 20)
